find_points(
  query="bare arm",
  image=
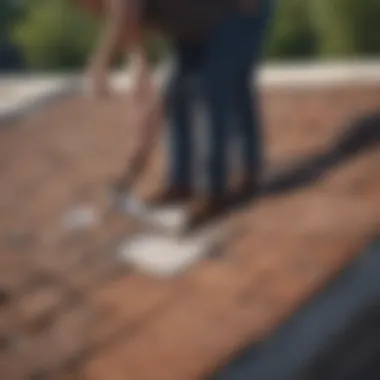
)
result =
(123, 30)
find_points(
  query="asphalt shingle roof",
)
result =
(69, 310)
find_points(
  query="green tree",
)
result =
(347, 28)
(54, 34)
(293, 33)
(10, 11)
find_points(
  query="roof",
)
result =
(69, 310)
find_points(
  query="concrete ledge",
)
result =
(20, 95)
(320, 75)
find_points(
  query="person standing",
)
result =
(219, 44)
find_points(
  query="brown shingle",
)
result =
(125, 325)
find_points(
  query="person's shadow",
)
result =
(362, 134)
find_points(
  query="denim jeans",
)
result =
(223, 64)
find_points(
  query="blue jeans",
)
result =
(223, 65)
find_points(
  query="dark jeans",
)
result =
(223, 66)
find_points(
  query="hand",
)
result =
(143, 89)
(98, 83)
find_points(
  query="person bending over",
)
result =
(218, 46)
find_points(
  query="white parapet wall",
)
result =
(317, 74)
(20, 94)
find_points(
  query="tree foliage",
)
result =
(10, 11)
(55, 34)
(293, 34)
(347, 28)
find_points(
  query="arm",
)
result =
(123, 29)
